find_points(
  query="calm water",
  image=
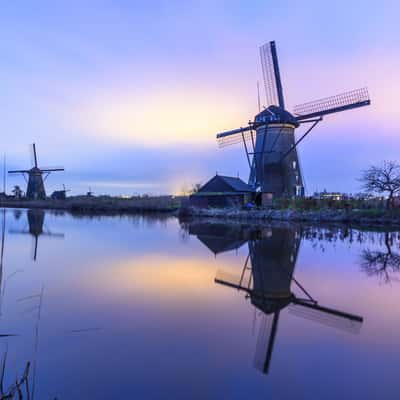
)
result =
(128, 308)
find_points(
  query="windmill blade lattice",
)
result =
(234, 139)
(267, 66)
(264, 343)
(328, 319)
(329, 105)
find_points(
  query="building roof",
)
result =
(224, 185)
(236, 183)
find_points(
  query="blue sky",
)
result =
(128, 96)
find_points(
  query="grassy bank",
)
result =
(366, 217)
(99, 204)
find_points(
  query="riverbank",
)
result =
(356, 217)
(176, 206)
(100, 204)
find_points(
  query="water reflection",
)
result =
(14, 384)
(121, 292)
(378, 257)
(36, 227)
(382, 263)
(22, 386)
(268, 280)
(220, 237)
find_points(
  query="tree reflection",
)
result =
(382, 264)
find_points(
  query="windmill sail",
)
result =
(265, 341)
(273, 92)
(19, 171)
(34, 155)
(329, 105)
(326, 316)
(52, 169)
(271, 75)
(235, 136)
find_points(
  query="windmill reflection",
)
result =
(12, 385)
(268, 280)
(36, 227)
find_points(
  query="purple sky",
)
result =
(128, 97)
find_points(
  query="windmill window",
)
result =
(297, 178)
(294, 164)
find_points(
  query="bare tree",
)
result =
(384, 179)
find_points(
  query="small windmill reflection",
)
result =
(381, 263)
(17, 214)
(36, 228)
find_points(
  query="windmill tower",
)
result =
(270, 142)
(35, 189)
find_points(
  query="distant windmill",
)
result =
(60, 194)
(35, 223)
(35, 188)
(272, 151)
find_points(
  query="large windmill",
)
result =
(272, 151)
(35, 189)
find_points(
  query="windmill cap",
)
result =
(35, 170)
(277, 115)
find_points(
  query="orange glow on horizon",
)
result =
(178, 116)
(158, 277)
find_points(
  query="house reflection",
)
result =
(219, 237)
(36, 227)
(267, 278)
